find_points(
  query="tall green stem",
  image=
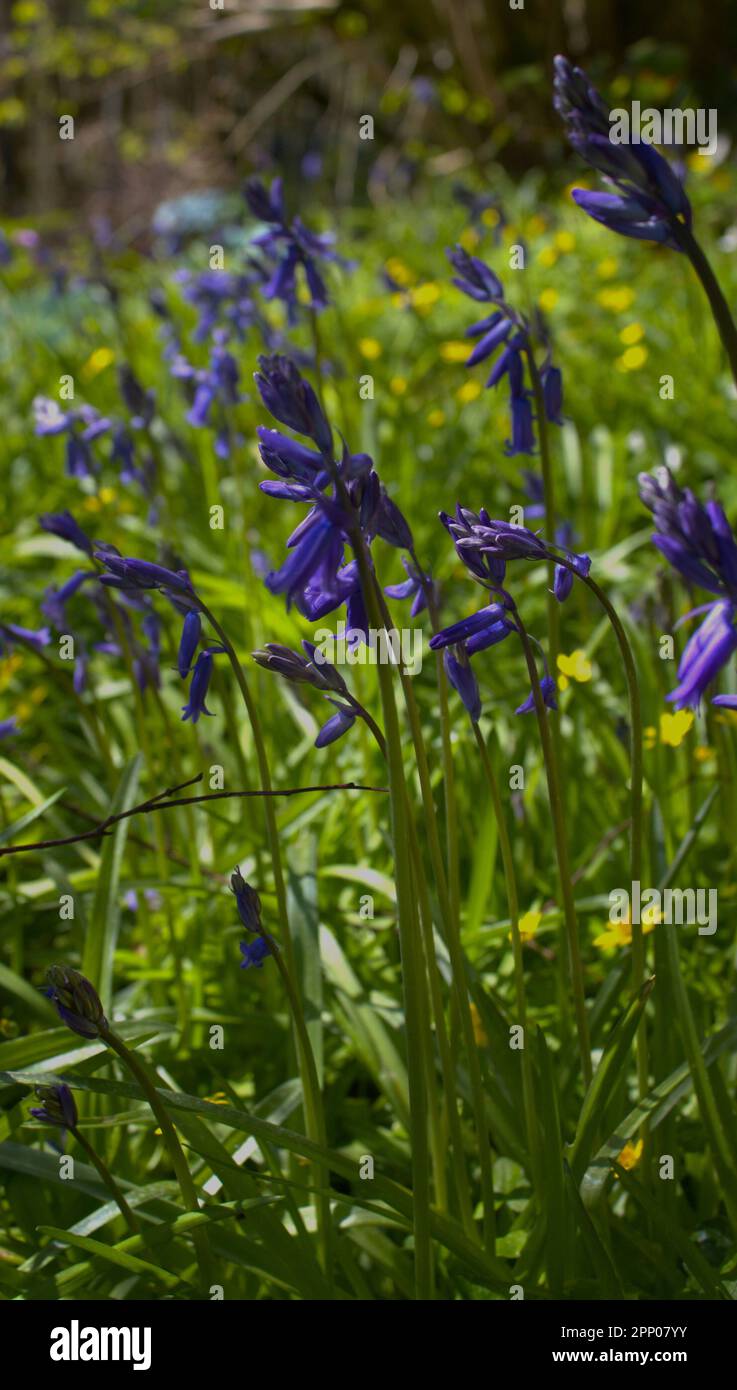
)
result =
(108, 1179)
(557, 812)
(314, 1110)
(169, 1135)
(711, 287)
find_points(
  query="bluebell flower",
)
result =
(313, 668)
(255, 952)
(463, 680)
(416, 586)
(292, 401)
(247, 900)
(336, 726)
(547, 688)
(54, 602)
(132, 574)
(505, 328)
(64, 525)
(698, 542)
(31, 637)
(221, 300)
(706, 653)
(76, 1001)
(199, 685)
(58, 1106)
(649, 201)
(8, 727)
(291, 245)
(191, 631)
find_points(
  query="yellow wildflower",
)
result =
(618, 298)
(455, 350)
(674, 727)
(370, 348)
(632, 359)
(99, 360)
(548, 300)
(630, 1155)
(469, 391)
(632, 333)
(576, 666)
(436, 418)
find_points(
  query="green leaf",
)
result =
(102, 935)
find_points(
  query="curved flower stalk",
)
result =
(697, 540)
(314, 669)
(255, 952)
(78, 1006)
(58, 1107)
(647, 201)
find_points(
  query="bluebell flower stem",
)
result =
(451, 925)
(314, 1112)
(712, 289)
(411, 949)
(179, 1163)
(557, 812)
(639, 962)
(460, 1175)
(510, 881)
(108, 1179)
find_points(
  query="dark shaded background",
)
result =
(172, 95)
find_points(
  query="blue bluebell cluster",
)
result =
(133, 579)
(505, 328)
(698, 541)
(289, 246)
(485, 546)
(648, 200)
(214, 391)
(348, 503)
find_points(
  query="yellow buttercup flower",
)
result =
(547, 257)
(455, 350)
(565, 241)
(100, 359)
(548, 300)
(632, 359)
(576, 667)
(674, 727)
(607, 267)
(620, 933)
(528, 924)
(469, 239)
(649, 736)
(436, 418)
(632, 333)
(630, 1155)
(490, 217)
(424, 296)
(469, 391)
(399, 272)
(398, 385)
(618, 298)
(370, 348)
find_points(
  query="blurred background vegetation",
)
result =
(171, 96)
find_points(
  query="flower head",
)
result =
(649, 202)
(58, 1106)
(247, 900)
(76, 1001)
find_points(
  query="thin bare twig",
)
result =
(160, 802)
